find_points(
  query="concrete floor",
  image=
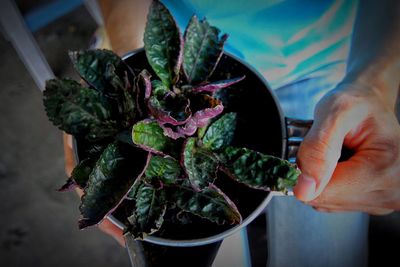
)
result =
(38, 225)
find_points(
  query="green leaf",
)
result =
(100, 68)
(159, 89)
(209, 203)
(162, 43)
(123, 100)
(220, 133)
(80, 175)
(78, 110)
(135, 188)
(201, 164)
(202, 50)
(260, 171)
(166, 169)
(150, 207)
(150, 136)
(110, 180)
(82, 171)
(107, 73)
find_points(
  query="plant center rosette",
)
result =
(157, 141)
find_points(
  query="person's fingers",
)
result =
(369, 210)
(354, 187)
(319, 153)
(111, 229)
(68, 154)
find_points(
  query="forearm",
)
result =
(125, 22)
(374, 59)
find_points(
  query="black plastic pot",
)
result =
(261, 126)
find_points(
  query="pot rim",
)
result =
(219, 237)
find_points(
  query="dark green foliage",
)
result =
(150, 136)
(258, 170)
(162, 43)
(107, 73)
(220, 134)
(100, 69)
(149, 210)
(82, 171)
(166, 169)
(201, 165)
(202, 50)
(109, 181)
(209, 203)
(78, 110)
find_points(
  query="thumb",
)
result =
(320, 151)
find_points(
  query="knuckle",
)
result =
(337, 102)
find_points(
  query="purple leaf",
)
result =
(214, 86)
(207, 108)
(145, 75)
(200, 119)
(171, 133)
(69, 185)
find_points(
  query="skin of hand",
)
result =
(360, 115)
(369, 181)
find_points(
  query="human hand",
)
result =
(363, 120)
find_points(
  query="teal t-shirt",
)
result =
(301, 48)
(287, 41)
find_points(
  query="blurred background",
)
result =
(38, 225)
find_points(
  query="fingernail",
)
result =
(305, 188)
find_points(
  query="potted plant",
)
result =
(167, 141)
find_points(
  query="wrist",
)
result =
(379, 77)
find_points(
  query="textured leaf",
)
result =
(205, 108)
(145, 76)
(214, 86)
(132, 193)
(107, 73)
(209, 203)
(110, 180)
(150, 136)
(260, 171)
(170, 108)
(163, 43)
(220, 134)
(200, 164)
(79, 111)
(69, 185)
(159, 89)
(82, 171)
(100, 68)
(150, 207)
(80, 175)
(123, 100)
(166, 169)
(202, 50)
